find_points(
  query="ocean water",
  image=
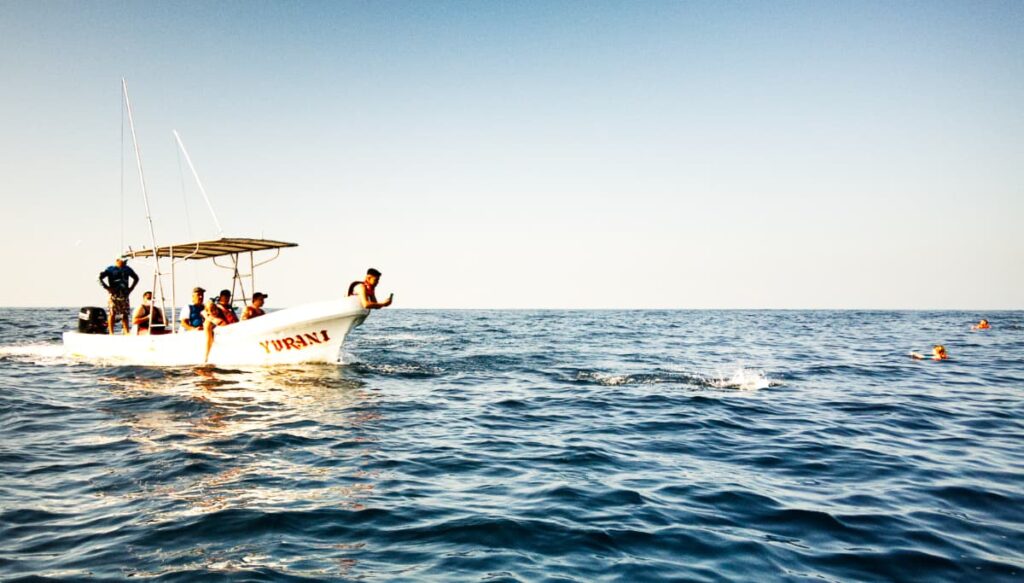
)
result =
(528, 446)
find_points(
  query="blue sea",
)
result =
(528, 446)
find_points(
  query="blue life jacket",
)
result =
(195, 315)
(117, 278)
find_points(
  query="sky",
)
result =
(861, 155)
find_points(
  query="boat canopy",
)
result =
(210, 249)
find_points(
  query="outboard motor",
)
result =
(92, 321)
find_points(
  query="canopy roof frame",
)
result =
(225, 246)
(209, 249)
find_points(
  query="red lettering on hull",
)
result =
(297, 342)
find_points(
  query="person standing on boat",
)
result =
(366, 291)
(117, 285)
(255, 309)
(141, 318)
(192, 314)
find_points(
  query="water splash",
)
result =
(744, 379)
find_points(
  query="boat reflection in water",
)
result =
(255, 455)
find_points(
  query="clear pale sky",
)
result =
(528, 154)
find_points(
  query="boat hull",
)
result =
(308, 333)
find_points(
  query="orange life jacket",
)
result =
(226, 313)
(370, 292)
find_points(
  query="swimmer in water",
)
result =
(982, 325)
(938, 353)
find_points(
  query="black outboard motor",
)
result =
(92, 321)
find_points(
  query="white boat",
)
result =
(307, 333)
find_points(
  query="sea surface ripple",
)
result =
(528, 446)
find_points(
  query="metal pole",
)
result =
(220, 231)
(174, 295)
(252, 273)
(142, 176)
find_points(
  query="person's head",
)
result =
(257, 299)
(224, 297)
(147, 296)
(939, 351)
(983, 322)
(372, 276)
(119, 261)
(197, 295)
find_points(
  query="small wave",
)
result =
(41, 353)
(409, 337)
(741, 378)
(402, 370)
(615, 380)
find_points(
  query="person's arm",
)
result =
(368, 305)
(248, 312)
(103, 283)
(213, 314)
(140, 316)
(135, 280)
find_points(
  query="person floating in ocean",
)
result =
(982, 325)
(255, 309)
(938, 353)
(119, 288)
(366, 290)
(141, 319)
(218, 313)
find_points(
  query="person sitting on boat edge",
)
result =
(938, 353)
(218, 313)
(119, 288)
(255, 309)
(219, 310)
(141, 318)
(192, 314)
(366, 290)
(982, 325)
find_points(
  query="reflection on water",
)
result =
(266, 440)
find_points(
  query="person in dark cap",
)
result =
(120, 281)
(255, 309)
(219, 310)
(366, 291)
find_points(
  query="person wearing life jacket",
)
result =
(982, 325)
(224, 312)
(141, 319)
(120, 281)
(192, 317)
(255, 309)
(218, 313)
(938, 353)
(366, 291)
